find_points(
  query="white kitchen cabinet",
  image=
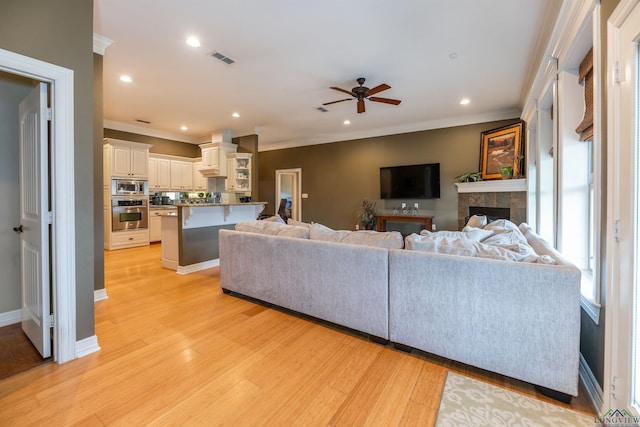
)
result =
(214, 158)
(127, 159)
(159, 174)
(199, 181)
(155, 225)
(238, 172)
(181, 175)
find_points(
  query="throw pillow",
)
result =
(275, 218)
(326, 234)
(252, 226)
(477, 221)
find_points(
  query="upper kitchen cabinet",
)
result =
(159, 174)
(214, 158)
(181, 175)
(126, 159)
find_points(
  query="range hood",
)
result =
(214, 155)
(212, 173)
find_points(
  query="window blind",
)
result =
(585, 128)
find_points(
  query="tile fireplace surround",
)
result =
(509, 193)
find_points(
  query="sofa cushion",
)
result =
(387, 240)
(273, 228)
(292, 221)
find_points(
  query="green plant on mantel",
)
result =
(469, 177)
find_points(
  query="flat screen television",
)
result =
(410, 182)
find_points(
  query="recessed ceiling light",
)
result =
(183, 127)
(453, 55)
(236, 115)
(125, 78)
(193, 41)
(465, 101)
(346, 122)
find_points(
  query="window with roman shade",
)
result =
(585, 128)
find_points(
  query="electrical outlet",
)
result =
(433, 227)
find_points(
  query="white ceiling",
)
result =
(289, 52)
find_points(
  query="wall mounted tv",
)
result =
(410, 182)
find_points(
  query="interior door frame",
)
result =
(298, 189)
(63, 246)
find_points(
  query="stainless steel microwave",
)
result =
(129, 187)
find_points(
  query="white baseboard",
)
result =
(192, 268)
(10, 317)
(87, 346)
(100, 294)
(591, 385)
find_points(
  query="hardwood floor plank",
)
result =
(177, 351)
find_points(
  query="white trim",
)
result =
(297, 196)
(591, 307)
(10, 318)
(86, 346)
(192, 268)
(100, 295)
(141, 130)
(100, 44)
(63, 203)
(591, 385)
(497, 186)
(511, 113)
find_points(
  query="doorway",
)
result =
(288, 199)
(62, 214)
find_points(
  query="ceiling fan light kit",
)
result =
(361, 93)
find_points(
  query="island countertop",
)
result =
(192, 205)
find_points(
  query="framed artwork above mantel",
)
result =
(501, 147)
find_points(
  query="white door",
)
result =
(34, 224)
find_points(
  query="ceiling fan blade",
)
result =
(348, 92)
(361, 106)
(378, 88)
(340, 100)
(385, 100)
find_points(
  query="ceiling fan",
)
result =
(362, 92)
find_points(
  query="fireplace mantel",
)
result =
(494, 186)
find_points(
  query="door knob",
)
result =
(18, 229)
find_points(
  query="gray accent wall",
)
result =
(338, 176)
(13, 89)
(61, 32)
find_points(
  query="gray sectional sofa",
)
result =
(519, 319)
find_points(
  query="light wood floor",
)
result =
(176, 351)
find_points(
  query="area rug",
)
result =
(468, 402)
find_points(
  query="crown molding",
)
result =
(100, 44)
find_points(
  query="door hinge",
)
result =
(613, 387)
(616, 230)
(50, 217)
(616, 73)
(49, 114)
(51, 320)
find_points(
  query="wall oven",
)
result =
(129, 214)
(129, 187)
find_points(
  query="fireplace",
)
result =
(492, 213)
(496, 199)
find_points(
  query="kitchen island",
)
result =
(190, 234)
